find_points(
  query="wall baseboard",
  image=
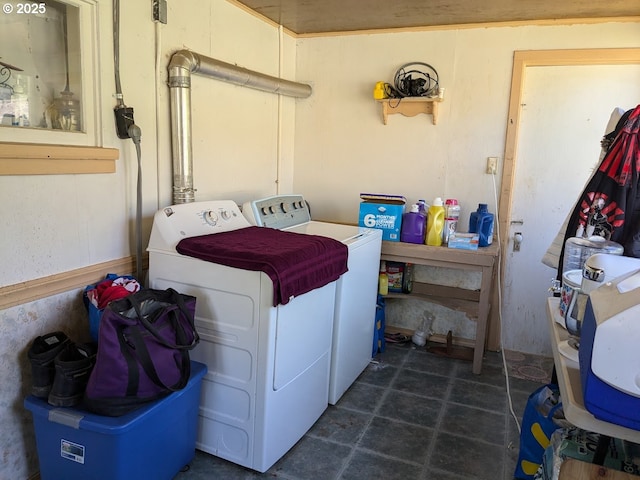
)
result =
(32, 290)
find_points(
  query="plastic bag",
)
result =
(542, 416)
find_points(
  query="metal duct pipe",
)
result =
(183, 63)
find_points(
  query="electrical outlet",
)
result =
(160, 11)
(492, 165)
(124, 119)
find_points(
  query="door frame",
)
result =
(521, 60)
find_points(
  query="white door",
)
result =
(564, 114)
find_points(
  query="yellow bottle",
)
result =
(383, 279)
(435, 223)
(379, 91)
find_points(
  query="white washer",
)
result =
(268, 367)
(356, 292)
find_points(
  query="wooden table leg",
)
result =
(483, 316)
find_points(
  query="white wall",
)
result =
(55, 223)
(343, 148)
(242, 145)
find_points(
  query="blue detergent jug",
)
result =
(481, 222)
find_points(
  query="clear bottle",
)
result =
(452, 214)
(435, 223)
(421, 334)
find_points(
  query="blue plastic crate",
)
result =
(155, 441)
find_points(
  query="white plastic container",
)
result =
(451, 216)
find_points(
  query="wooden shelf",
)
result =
(475, 303)
(455, 298)
(43, 159)
(410, 107)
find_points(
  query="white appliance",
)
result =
(609, 355)
(597, 270)
(268, 374)
(356, 292)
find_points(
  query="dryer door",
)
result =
(303, 334)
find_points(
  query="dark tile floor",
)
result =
(410, 415)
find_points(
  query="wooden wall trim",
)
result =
(470, 26)
(46, 159)
(32, 290)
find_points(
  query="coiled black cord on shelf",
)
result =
(409, 81)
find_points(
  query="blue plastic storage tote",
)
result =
(155, 441)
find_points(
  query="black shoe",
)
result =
(73, 366)
(41, 354)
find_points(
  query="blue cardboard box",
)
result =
(155, 441)
(464, 241)
(383, 212)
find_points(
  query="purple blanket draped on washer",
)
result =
(297, 263)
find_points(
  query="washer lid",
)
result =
(344, 233)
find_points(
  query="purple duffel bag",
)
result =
(143, 351)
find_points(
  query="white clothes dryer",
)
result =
(268, 366)
(356, 291)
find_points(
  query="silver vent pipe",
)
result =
(183, 63)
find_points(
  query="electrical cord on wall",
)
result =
(116, 51)
(126, 128)
(136, 135)
(499, 287)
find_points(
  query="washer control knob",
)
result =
(284, 207)
(225, 214)
(264, 211)
(210, 217)
(272, 210)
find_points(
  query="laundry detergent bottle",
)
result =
(383, 279)
(481, 222)
(435, 223)
(422, 207)
(413, 226)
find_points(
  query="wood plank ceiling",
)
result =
(315, 17)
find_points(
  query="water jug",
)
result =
(413, 226)
(452, 213)
(435, 223)
(578, 249)
(481, 222)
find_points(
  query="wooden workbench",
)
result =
(475, 303)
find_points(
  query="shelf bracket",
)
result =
(410, 107)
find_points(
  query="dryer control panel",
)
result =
(173, 223)
(279, 211)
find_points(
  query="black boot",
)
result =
(42, 353)
(73, 367)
